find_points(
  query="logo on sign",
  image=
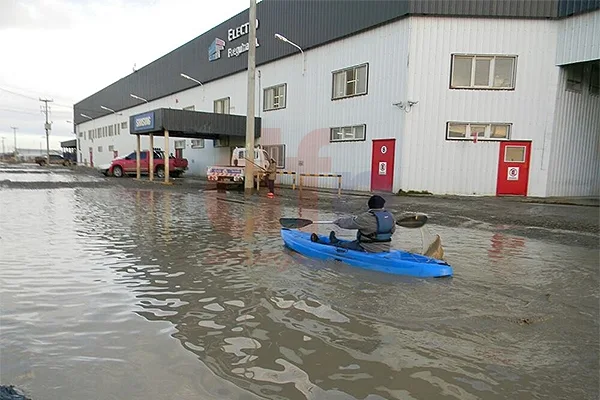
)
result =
(214, 50)
(218, 45)
(382, 168)
(513, 173)
(383, 149)
(143, 122)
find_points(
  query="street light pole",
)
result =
(47, 127)
(249, 169)
(15, 133)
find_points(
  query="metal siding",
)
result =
(571, 7)
(579, 38)
(487, 8)
(575, 152)
(305, 122)
(448, 167)
(307, 23)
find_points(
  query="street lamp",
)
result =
(85, 116)
(193, 80)
(138, 97)
(190, 78)
(284, 39)
(110, 109)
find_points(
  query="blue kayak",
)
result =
(393, 262)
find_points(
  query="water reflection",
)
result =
(283, 326)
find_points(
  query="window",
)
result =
(223, 142)
(99, 149)
(110, 130)
(118, 128)
(81, 134)
(111, 148)
(79, 144)
(180, 144)
(197, 144)
(276, 151)
(124, 125)
(467, 131)
(189, 108)
(483, 72)
(221, 106)
(574, 77)
(275, 97)
(595, 78)
(348, 133)
(514, 154)
(350, 82)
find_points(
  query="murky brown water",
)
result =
(138, 294)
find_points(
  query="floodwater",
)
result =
(120, 293)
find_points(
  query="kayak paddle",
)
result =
(412, 221)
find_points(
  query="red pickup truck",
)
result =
(126, 165)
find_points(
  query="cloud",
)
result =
(67, 50)
(35, 14)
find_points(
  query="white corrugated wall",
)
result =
(434, 164)
(579, 38)
(304, 125)
(575, 152)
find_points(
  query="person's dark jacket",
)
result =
(366, 224)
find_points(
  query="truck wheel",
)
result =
(118, 171)
(160, 172)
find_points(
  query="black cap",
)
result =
(376, 202)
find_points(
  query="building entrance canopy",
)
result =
(191, 124)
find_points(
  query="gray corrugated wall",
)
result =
(570, 7)
(488, 8)
(308, 23)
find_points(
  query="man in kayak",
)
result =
(375, 228)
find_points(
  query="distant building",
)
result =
(450, 97)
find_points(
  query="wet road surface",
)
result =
(114, 292)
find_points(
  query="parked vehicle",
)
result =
(233, 174)
(127, 165)
(54, 159)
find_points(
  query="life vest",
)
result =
(385, 224)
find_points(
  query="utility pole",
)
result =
(47, 127)
(15, 133)
(249, 168)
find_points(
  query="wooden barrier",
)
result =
(322, 176)
(293, 173)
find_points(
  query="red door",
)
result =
(513, 168)
(178, 153)
(382, 165)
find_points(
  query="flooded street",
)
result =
(116, 292)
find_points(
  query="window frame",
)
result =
(220, 100)
(569, 87)
(281, 150)
(198, 146)
(345, 69)
(284, 85)
(222, 142)
(492, 57)
(364, 126)
(488, 131)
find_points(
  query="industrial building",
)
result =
(462, 97)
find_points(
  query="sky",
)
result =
(66, 50)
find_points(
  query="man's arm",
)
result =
(347, 223)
